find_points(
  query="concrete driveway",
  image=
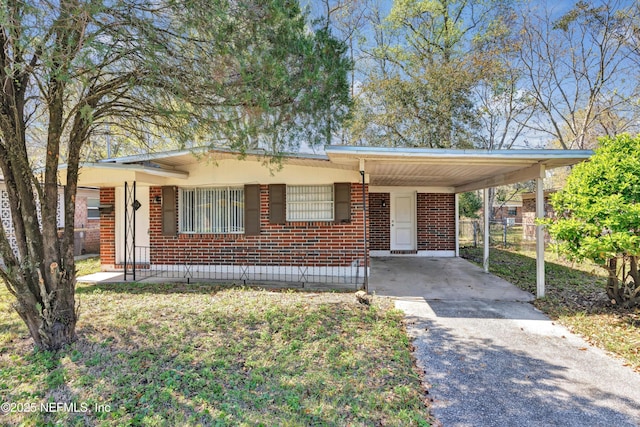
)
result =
(491, 359)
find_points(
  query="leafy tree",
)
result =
(470, 203)
(599, 215)
(243, 73)
(431, 54)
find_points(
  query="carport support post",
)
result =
(456, 200)
(364, 221)
(540, 279)
(487, 214)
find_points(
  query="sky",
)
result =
(557, 9)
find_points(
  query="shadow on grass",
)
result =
(586, 289)
(236, 361)
(153, 288)
(200, 288)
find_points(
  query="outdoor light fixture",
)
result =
(158, 199)
(384, 203)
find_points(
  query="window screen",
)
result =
(211, 210)
(310, 203)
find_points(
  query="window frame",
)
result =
(95, 210)
(290, 202)
(200, 196)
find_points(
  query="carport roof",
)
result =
(457, 170)
(461, 170)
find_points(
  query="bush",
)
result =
(599, 215)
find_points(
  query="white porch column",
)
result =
(485, 262)
(540, 279)
(457, 228)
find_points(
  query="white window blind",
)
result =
(211, 210)
(310, 203)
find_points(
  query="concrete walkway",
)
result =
(491, 359)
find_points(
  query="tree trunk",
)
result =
(52, 323)
(613, 283)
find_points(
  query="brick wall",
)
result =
(293, 243)
(379, 215)
(108, 228)
(436, 222)
(92, 237)
(502, 212)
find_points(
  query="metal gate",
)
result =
(131, 205)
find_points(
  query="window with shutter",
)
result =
(310, 203)
(212, 210)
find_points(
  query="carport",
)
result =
(459, 171)
(447, 279)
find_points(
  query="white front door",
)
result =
(142, 225)
(403, 221)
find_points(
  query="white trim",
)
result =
(437, 254)
(390, 189)
(310, 207)
(142, 224)
(291, 273)
(431, 254)
(373, 254)
(540, 270)
(485, 212)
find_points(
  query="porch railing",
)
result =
(349, 274)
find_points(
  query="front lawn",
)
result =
(575, 297)
(177, 354)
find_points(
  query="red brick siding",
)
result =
(108, 227)
(92, 236)
(292, 243)
(379, 216)
(436, 222)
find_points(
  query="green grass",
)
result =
(177, 354)
(575, 297)
(87, 266)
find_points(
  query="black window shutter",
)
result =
(169, 212)
(277, 203)
(342, 202)
(252, 209)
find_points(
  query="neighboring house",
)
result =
(529, 213)
(87, 219)
(214, 213)
(509, 211)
